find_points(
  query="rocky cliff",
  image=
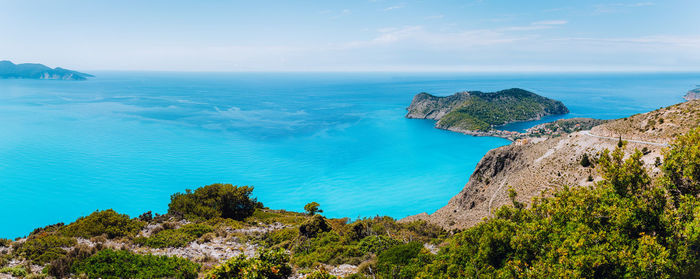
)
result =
(534, 169)
(470, 112)
(692, 94)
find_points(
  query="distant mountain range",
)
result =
(38, 71)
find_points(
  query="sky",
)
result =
(362, 35)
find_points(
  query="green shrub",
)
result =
(269, 264)
(377, 243)
(329, 248)
(281, 237)
(42, 248)
(175, 237)
(393, 262)
(14, 271)
(268, 216)
(107, 222)
(61, 267)
(4, 242)
(216, 200)
(124, 264)
(313, 227)
(320, 274)
(47, 229)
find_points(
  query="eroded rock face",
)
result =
(426, 106)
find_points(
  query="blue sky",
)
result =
(366, 35)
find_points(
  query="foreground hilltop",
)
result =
(477, 112)
(38, 71)
(534, 168)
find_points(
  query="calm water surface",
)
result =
(129, 140)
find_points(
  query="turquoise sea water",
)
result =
(127, 140)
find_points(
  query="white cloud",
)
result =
(550, 22)
(393, 7)
(619, 7)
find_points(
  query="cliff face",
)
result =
(540, 168)
(426, 106)
(468, 112)
(692, 95)
(38, 71)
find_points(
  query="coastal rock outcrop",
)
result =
(692, 95)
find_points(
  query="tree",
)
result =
(681, 165)
(627, 177)
(585, 162)
(620, 143)
(312, 208)
(216, 200)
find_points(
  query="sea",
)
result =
(129, 140)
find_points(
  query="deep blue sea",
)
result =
(128, 140)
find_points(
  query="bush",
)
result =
(107, 222)
(47, 229)
(175, 237)
(269, 264)
(4, 242)
(41, 249)
(320, 274)
(329, 248)
(393, 262)
(124, 264)
(61, 267)
(216, 200)
(313, 227)
(377, 243)
(14, 271)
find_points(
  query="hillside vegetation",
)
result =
(478, 111)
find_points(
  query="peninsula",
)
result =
(9, 70)
(478, 113)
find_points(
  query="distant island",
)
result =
(692, 94)
(9, 70)
(478, 113)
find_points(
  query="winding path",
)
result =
(588, 133)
